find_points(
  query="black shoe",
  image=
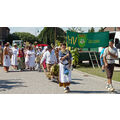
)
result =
(68, 88)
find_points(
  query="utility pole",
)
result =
(115, 33)
(55, 34)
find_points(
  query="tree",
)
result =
(75, 29)
(101, 29)
(49, 34)
(25, 36)
(92, 29)
(11, 37)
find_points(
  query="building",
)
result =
(4, 32)
(110, 29)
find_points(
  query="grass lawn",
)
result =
(97, 71)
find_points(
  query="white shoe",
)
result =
(66, 90)
(107, 86)
(111, 89)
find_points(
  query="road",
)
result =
(33, 82)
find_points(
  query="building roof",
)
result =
(112, 29)
(7, 28)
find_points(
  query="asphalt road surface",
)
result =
(33, 82)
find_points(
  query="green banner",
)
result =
(87, 40)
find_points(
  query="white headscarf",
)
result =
(44, 50)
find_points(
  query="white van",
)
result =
(18, 42)
(116, 38)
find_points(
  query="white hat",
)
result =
(14, 44)
(57, 47)
(40, 47)
(45, 47)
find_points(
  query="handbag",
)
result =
(66, 71)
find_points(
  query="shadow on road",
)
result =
(9, 84)
(77, 79)
(13, 71)
(117, 91)
(87, 92)
(72, 82)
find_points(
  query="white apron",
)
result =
(27, 57)
(62, 77)
(6, 60)
(14, 56)
(32, 58)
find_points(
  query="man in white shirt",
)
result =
(50, 57)
(109, 56)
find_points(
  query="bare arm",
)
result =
(101, 56)
(105, 61)
(62, 58)
(104, 57)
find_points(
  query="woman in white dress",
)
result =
(65, 59)
(31, 53)
(27, 57)
(6, 58)
(14, 62)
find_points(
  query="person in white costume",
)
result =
(27, 57)
(31, 53)
(65, 59)
(14, 62)
(6, 58)
(50, 57)
(44, 62)
(38, 58)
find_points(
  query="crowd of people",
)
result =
(54, 61)
(49, 59)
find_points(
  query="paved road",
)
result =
(36, 83)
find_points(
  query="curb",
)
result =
(102, 78)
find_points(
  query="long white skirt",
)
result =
(62, 77)
(27, 60)
(6, 60)
(14, 60)
(32, 61)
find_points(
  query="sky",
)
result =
(33, 30)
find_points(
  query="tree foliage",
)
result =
(49, 34)
(101, 29)
(75, 29)
(25, 36)
(92, 29)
